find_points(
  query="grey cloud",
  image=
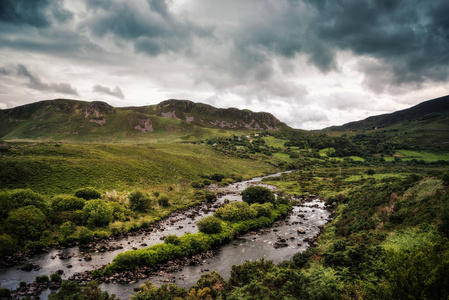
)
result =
(159, 6)
(36, 83)
(151, 28)
(116, 92)
(37, 13)
(410, 36)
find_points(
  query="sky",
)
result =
(311, 63)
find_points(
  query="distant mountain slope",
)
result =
(63, 119)
(430, 109)
(205, 115)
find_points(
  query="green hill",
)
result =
(428, 110)
(425, 125)
(171, 120)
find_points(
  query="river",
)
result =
(309, 215)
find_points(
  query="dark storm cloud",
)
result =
(37, 13)
(409, 38)
(150, 28)
(36, 83)
(116, 92)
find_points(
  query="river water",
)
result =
(252, 246)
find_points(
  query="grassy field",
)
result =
(271, 141)
(426, 155)
(52, 168)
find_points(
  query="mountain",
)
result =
(431, 109)
(64, 119)
(425, 125)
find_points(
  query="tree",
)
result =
(26, 223)
(257, 194)
(139, 201)
(210, 225)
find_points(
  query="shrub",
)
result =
(42, 279)
(263, 210)
(55, 278)
(163, 201)
(85, 235)
(210, 225)
(97, 213)
(445, 178)
(63, 203)
(7, 245)
(139, 202)
(257, 194)
(10, 200)
(196, 184)
(370, 172)
(172, 239)
(26, 223)
(87, 193)
(66, 229)
(5, 293)
(236, 211)
(217, 177)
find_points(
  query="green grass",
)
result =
(57, 169)
(426, 155)
(325, 151)
(271, 141)
(283, 157)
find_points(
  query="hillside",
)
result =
(425, 125)
(432, 109)
(170, 120)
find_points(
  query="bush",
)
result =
(87, 193)
(217, 177)
(64, 203)
(370, 172)
(263, 210)
(26, 223)
(139, 202)
(196, 184)
(7, 245)
(66, 229)
(97, 213)
(42, 279)
(85, 235)
(5, 293)
(445, 178)
(163, 201)
(55, 278)
(172, 239)
(257, 194)
(10, 200)
(210, 225)
(236, 211)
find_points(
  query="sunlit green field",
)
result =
(61, 168)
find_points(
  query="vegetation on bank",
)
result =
(228, 221)
(389, 240)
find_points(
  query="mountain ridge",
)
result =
(425, 110)
(62, 119)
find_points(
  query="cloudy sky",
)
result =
(312, 63)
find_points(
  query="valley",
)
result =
(385, 181)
